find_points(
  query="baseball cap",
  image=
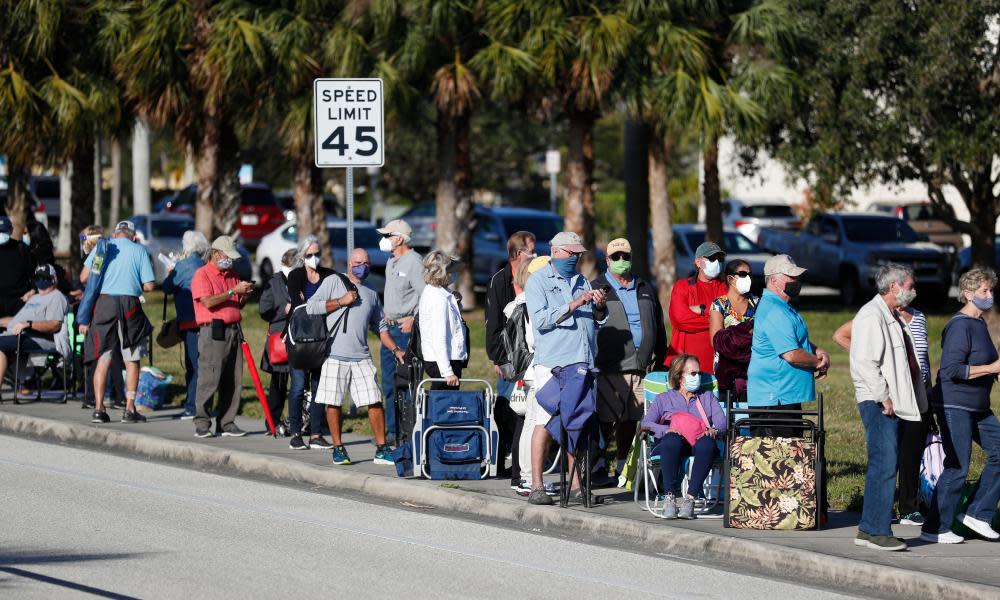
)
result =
(126, 227)
(45, 272)
(5, 225)
(226, 245)
(706, 249)
(397, 226)
(782, 264)
(619, 245)
(569, 241)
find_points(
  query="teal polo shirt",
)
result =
(771, 380)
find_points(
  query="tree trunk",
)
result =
(454, 205)
(662, 216)
(579, 201)
(82, 193)
(64, 241)
(18, 194)
(190, 170)
(637, 193)
(96, 166)
(711, 191)
(141, 201)
(983, 216)
(116, 180)
(310, 214)
(227, 211)
(208, 174)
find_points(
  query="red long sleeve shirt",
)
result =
(689, 331)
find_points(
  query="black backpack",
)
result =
(515, 344)
(306, 336)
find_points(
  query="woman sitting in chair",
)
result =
(685, 422)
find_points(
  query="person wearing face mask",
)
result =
(219, 296)
(684, 423)
(889, 391)
(730, 327)
(629, 344)
(349, 366)
(444, 341)
(38, 321)
(194, 249)
(961, 403)
(689, 307)
(404, 282)
(15, 278)
(302, 284)
(273, 306)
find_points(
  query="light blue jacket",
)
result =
(571, 340)
(178, 283)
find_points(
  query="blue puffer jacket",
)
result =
(178, 283)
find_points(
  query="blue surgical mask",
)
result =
(452, 278)
(692, 382)
(225, 264)
(26, 239)
(361, 271)
(983, 304)
(712, 268)
(566, 266)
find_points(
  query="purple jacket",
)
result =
(657, 417)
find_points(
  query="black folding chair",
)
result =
(52, 361)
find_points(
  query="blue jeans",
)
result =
(389, 378)
(297, 396)
(672, 449)
(191, 368)
(882, 438)
(959, 428)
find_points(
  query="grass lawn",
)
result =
(845, 437)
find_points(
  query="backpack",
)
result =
(306, 336)
(515, 344)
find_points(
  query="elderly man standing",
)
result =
(118, 322)
(404, 281)
(563, 313)
(690, 301)
(218, 296)
(630, 342)
(889, 389)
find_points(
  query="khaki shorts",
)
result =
(340, 376)
(619, 396)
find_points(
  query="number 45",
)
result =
(336, 141)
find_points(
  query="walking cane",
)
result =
(255, 376)
(17, 367)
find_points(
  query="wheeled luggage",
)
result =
(454, 435)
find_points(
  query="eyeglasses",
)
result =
(388, 235)
(741, 274)
(621, 256)
(313, 255)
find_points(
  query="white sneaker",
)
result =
(941, 538)
(981, 527)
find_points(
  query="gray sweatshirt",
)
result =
(365, 314)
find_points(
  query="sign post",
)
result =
(552, 166)
(349, 125)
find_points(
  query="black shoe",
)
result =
(296, 443)
(86, 404)
(117, 404)
(319, 443)
(232, 430)
(100, 416)
(132, 417)
(202, 432)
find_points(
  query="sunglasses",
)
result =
(313, 255)
(621, 256)
(741, 274)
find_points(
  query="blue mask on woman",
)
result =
(566, 266)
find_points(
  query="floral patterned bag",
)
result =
(772, 483)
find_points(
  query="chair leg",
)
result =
(17, 368)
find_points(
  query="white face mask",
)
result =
(712, 268)
(26, 239)
(4, 238)
(385, 244)
(743, 284)
(905, 296)
(312, 263)
(692, 382)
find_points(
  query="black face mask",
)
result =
(793, 289)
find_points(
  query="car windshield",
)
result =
(171, 228)
(767, 211)
(544, 227)
(874, 230)
(364, 237)
(256, 197)
(735, 243)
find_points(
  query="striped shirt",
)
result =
(918, 329)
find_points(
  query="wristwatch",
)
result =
(232, 293)
(702, 307)
(31, 325)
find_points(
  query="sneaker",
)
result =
(132, 417)
(202, 432)
(383, 455)
(981, 527)
(669, 510)
(340, 456)
(914, 518)
(686, 509)
(941, 538)
(515, 484)
(539, 497)
(296, 443)
(879, 542)
(100, 416)
(232, 430)
(523, 488)
(319, 443)
(187, 415)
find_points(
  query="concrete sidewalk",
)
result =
(827, 558)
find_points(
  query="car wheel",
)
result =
(850, 288)
(266, 270)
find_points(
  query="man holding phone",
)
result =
(219, 296)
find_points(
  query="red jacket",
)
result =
(689, 331)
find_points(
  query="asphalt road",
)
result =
(77, 523)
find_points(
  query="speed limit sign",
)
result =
(349, 122)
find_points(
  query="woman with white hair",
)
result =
(444, 342)
(194, 251)
(302, 284)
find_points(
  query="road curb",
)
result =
(780, 562)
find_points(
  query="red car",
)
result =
(260, 213)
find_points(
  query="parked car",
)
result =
(749, 218)
(259, 213)
(286, 200)
(45, 191)
(737, 246)
(492, 228)
(925, 219)
(963, 260)
(275, 244)
(38, 210)
(163, 233)
(842, 250)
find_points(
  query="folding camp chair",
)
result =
(44, 359)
